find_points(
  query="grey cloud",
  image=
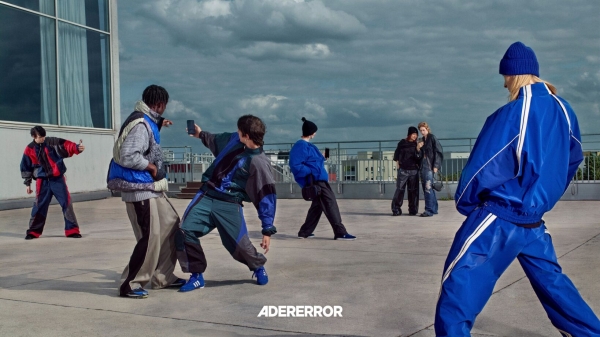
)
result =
(258, 29)
(370, 72)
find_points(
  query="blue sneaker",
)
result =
(136, 293)
(261, 276)
(346, 237)
(311, 235)
(196, 281)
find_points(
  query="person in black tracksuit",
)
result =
(407, 160)
(306, 160)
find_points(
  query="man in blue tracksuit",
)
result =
(524, 159)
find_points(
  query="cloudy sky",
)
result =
(361, 70)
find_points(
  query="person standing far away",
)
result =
(43, 161)
(431, 162)
(407, 160)
(240, 172)
(305, 160)
(137, 171)
(521, 164)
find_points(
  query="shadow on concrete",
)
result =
(13, 235)
(225, 283)
(507, 330)
(387, 214)
(278, 236)
(217, 333)
(105, 288)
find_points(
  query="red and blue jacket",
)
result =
(45, 160)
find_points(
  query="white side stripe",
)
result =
(567, 117)
(524, 119)
(476, 233)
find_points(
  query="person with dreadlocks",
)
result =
(522, 162)
(240, 172)
(43, 161)
(136, 171)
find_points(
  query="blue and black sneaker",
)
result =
(346, 237)
(178, 283)
(261, 276)
(136, 293)
(196, 281)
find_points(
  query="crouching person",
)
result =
(240, 172)
(136, 170)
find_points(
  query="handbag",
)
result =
(310, 191)
(438, 185)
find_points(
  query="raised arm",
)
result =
(63, 147)
(216, 142)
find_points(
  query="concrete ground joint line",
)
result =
(173, 318)
(58, 278)
(516, 281)
(362, 251)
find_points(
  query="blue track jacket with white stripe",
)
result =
(524, 158)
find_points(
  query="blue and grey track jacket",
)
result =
(243, 174)
(524, 158)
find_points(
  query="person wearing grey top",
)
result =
(136, 170)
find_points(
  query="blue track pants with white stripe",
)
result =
(482, 250)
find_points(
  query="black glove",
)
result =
(160, 174)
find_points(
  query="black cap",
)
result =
(411, 130)
(308, 127)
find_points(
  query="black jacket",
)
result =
(406, 155)
(432, 153)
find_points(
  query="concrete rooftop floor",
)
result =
(387, 281)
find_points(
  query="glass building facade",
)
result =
(55, 61)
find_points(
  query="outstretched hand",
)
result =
(80, 146)
(197, 133)
(266, 242)
(167, 123)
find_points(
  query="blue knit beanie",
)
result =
(519, 60)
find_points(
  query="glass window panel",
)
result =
(84, 77)
(91, 13)
(43, 6)
(28, 67)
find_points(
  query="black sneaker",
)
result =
(75, 236)
(30, 237)
(311, 235)
(425, 214)
(396, 213)
(178, 283)
(136, 293)
(345, 237)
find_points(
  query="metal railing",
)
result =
(363, 161)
